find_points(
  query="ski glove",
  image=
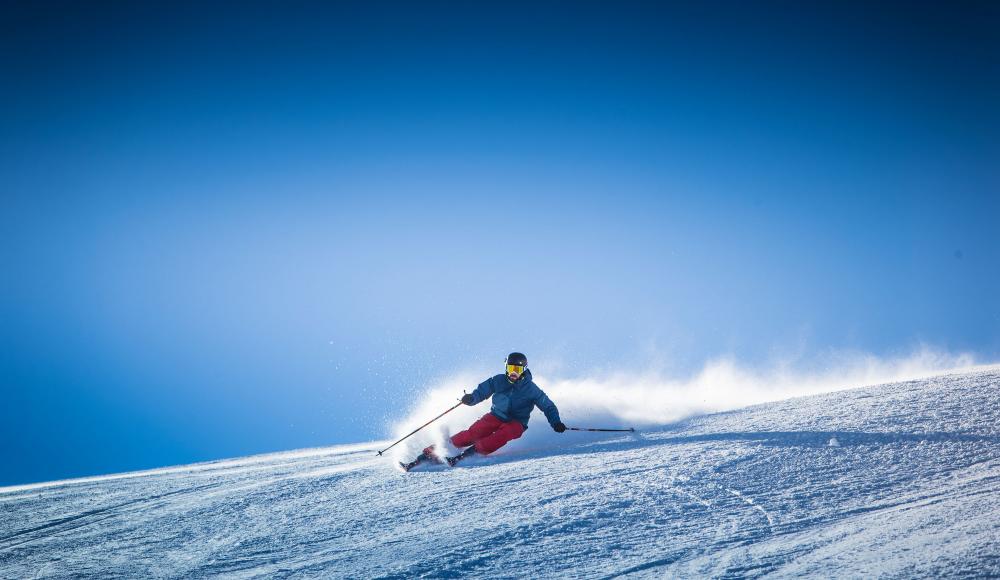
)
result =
(559, 427)
(467, 399)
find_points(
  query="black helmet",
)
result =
(516, 358)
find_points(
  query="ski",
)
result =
(408, 466)
(423, 457)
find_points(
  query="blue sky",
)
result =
(235, 232)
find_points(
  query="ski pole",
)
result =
(422, 426)
(629, 430)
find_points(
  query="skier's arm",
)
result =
(546, 405)
(482, 392)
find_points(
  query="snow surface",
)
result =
(897, 480)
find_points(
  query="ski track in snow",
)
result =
(912, 490)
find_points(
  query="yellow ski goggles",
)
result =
(515, 370)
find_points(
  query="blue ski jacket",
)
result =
(515, 401)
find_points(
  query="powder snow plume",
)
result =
(644, 399)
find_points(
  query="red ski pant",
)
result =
(488, 434)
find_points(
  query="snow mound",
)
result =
(625, 398)
(912, 488)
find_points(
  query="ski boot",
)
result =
(453, 460)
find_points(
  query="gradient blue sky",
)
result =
(228, 231)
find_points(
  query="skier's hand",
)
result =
(559, 427)
(467, 399)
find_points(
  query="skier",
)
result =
(514, 396)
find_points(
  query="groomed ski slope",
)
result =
(899, 480)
